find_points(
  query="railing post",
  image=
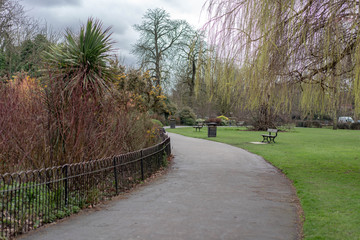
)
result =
(65, 169)
(142, 165)
(159, 155)
(116, 177)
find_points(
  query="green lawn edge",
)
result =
(324, 166)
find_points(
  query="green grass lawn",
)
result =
(324, 166)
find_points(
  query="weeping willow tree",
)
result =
(288, 50)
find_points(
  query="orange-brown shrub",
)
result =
(41, 127)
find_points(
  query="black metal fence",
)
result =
(33, 198)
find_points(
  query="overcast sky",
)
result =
(121, 15)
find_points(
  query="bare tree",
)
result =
(158, 37)
(22, 39)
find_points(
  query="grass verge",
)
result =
(324, 166)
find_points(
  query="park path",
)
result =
(213, 191)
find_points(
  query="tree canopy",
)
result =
(285, 49)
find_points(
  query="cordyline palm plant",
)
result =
(82, 62)
(79, 76)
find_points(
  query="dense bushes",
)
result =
(317, 124)
(218, 121)
(352, 126)
(187, 116)
(77, 112)
(309, 124)
(343, 126)
(355, 126)
(38, 133)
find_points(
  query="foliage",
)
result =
(187, 116)
(309, 124)
(189, 58)
(31, 199)
(22, 40)
(355, 126)
(324, 167)
(32, 137)
(343, 126)
(157, 123)
(200, 120)
(82, 62)
(218, 121)
(74, 112)
(224, 120)
(287, 53)
(43, 204)
(141, 88)
(222, 117)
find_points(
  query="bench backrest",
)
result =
(270, 130)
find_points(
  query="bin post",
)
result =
(172, 123)
(211, 129)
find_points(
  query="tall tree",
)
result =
(22, 39)
(189, 59)
(159, 35)
(312, 45)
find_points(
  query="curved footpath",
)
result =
(213, 191)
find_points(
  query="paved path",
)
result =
(214, 191)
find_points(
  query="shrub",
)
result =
(214, 120)
(223, 118)
(309, 124)
(187, 116)
(200, 120)
(158, 117)
(355, 126)
(316, 124)
(286, 127)
(40, 130)
(189, 121)
(343, 126)
(299, 124)
(157, 123)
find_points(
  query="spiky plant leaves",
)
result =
(82, 62)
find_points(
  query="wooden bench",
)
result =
(199, 126)
(268, 137)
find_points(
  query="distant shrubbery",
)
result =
(187, 116)
(157, 123)
(317, 124)
(352, 126)
(214, 120)
(355, 126)
(309, 124)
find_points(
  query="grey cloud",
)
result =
(121, 15)
(52, 3)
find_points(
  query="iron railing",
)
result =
(31, 199)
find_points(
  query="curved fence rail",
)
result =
(33, 198)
